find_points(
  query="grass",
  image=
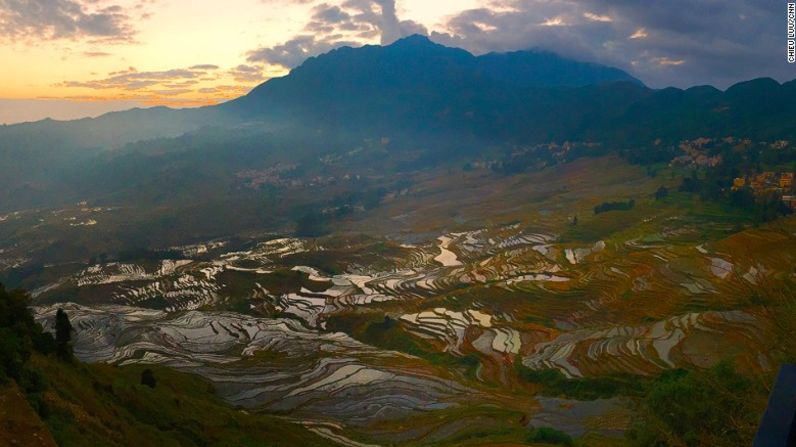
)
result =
(554, 383)
(603, 225)
(104, 405)
(716, 407)
(548, 435)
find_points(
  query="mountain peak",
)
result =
(414, 39)
(418, 65)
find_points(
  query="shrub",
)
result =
(696, 408)
(614, 206)
(63, 335)
(548, 435)
(585, 388)
(148, 378)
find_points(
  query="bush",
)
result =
(63, 335)
(18, 332)
(614, 206)
(586, 388)
(14, 352)
(20, 335)
(694, 408)
(148, 378)
(548, 435)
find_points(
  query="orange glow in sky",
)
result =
(159, 52)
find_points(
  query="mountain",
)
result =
(759, 108)
(421, 88)
(415, 65)
(418, 85)
(419, 95)
(545, 69)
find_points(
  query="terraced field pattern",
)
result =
(418, 325)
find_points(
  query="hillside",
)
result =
(58, 401)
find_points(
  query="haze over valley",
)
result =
(404, 243)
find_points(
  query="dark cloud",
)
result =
(677, 42)
(349, 23)
(64, 19)
(293, 52)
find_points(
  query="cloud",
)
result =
(172, 92)
(332, 25)
(64, 19)
(555, 21)
(678, 42)
(247, 73)
(668, 61)
(224, 90)
(96, 54)
(294, 51)
(134, 80)
(640, 33)
(597, 17)
(204, 67)
(199, 84)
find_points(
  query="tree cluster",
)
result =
(614, 206)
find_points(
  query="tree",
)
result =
(661, 193)
(311, 224)
(549, 435)
(148, 378)
(63, 335)
(20, 336)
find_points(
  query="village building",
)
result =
(786, 181)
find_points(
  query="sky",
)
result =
(74, 58)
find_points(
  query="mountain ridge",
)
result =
(420, 95)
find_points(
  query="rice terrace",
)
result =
(397, 224)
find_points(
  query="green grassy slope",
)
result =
(104, 405)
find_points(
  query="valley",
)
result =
(443, 317)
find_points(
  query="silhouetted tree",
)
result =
(63, 335)
(148, 378)
(614, 206)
